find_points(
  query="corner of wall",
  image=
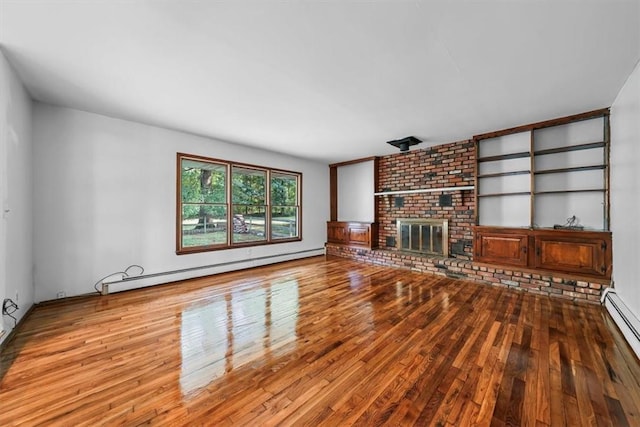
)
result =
(16, 196)
(625, 184)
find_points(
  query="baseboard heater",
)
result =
(628, 324)
(125, 283)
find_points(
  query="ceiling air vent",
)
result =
(404, 143)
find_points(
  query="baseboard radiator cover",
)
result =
(120, 283)
(626, 321)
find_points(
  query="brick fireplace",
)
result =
(444, 166)
(449, 165)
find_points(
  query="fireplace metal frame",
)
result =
(444, 223)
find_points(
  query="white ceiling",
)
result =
(327, 80)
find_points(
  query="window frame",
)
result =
(243, 169)
(230, 244)
(297, 206)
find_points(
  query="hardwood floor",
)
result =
(319, 342)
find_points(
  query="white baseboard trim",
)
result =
(626, 321)
(118, 283)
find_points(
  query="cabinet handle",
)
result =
(524, 249)
(603, 269)
(538, 250)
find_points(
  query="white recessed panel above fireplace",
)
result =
(355, 192)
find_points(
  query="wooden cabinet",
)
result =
(574, 252)
(508, 247)
(583, 253)
(352, 233)
(336, 232)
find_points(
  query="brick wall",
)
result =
(446, 165)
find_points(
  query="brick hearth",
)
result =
(559, 286)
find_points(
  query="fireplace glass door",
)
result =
(429, 237)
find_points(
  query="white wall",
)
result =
(356, 186)
(16, 191)
(105, 198)
(625, 191)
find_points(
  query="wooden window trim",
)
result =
(269, 240)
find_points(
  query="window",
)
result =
(249, 198)
(224, 204)
(204, 203)
(284, 205)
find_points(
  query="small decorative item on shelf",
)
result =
(571, 224)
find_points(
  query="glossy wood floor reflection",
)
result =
(319, 342)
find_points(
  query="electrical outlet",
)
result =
(61, 294)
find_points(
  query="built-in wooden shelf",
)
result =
(505, 157)
(425, 190)
(573, 169)
(587, 190)
(516, 193)
(570, 148)
(564, 159)
(497, 174)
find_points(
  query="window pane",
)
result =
(203, 182)
(415, 237)
(405, 237)
(249, 223)
(284, 222)
(437, 239)
(284, 189)
(203, 225)
(248, 186)
(426, 239)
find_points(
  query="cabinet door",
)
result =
(572, 254)
(501, 248)
(359, 235)
(336, 232)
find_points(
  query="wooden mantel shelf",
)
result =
(425, 190)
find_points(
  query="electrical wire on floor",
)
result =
(8, 308)
(124, 274)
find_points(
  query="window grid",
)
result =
(206, 222)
